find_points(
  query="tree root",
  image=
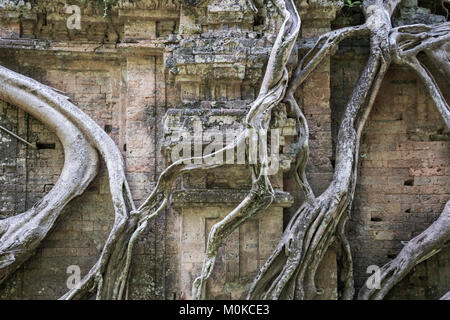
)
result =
(290, 271)
(258, 118)
(20, 235)
(260, 197)
(278, 278)
(406, 43)
(345, 273)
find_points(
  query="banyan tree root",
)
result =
(81, 138)
(408, 41)
(271, 93)
(260, 197)
(109, 275)
(20, 235)
(445, 296)
(290, 271)
(325, 45)
(118, 260)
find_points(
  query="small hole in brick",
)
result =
(409, 182)
(43, 18)
(376, 219)
(41, 145)
(108, 128)
(408, 210)
(48, 187)
(124, 147)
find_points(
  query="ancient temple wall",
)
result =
(153, 68)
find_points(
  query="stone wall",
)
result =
(150, 70)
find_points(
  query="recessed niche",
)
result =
(108, 128)
(41, 145)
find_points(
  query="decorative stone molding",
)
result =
(202, 197)
(221, 117)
